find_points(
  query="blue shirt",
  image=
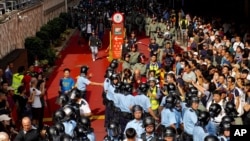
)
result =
(66, 84)
(199, 134)
(143, 101)
(178, 118)
(168, 117)
(124, 102)
(106, 84)
(69, 127)
(223, 138)
(91, 136)
(211, 128)
(110, 92)
(82, 83)
(189, 119)
(137, 125)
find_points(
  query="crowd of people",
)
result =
(195, 95)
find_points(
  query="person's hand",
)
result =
(90, 75)
(156, 118)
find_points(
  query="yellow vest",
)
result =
(17, 81)
(154, 102)
(155, 67)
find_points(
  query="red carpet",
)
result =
(73, 57)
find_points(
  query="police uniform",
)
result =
(124, 102)
(168, 117)
(91, 136)
(190, 118)
(83, 107)
(199, 133)
(137, 125)
(143, 101)
(149, 137)
(82, 83)
(69, 127)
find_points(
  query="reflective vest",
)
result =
(155, 67)
(154, 102)
(17, 81)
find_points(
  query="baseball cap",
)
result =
(4, 117)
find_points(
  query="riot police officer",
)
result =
(225, 131)
(83, 81)
(144, 101)
(115, 133)
(149, 125)
(190, 118)
(211, 138)
(230, 110)
(214, 110)
(124, 102)
(137, 122)
(85, 123)
(169, 134)
(203, 127)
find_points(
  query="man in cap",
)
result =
(83, 80)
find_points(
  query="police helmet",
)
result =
(52, 132)
(66, 137)
(75, 93)
(230, 109)
(171, 87)
(211, 138)
(60, 127)
(119, 87)
(109, 72)
(203, 117)
(59, 115)
(63, 99)
(192, 99)
(81, 131)
(193, 90)
(143, 87)
(85, 121)
(69, 112)
(214, 110)
(115, 76)
(227, 118)
(225, 126)
(114, 64)
(128, 88)
(137, 108)
(169, 132)
(114, 128)
(170, 101)
(84, 70)
(148, 121)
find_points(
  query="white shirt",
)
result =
(236, 44)
(84, 107)
(222, 113)
(37, 101)
(89, 28)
